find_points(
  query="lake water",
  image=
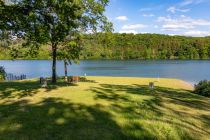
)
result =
(191, 71)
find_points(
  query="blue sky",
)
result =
(173, 17)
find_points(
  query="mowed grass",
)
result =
(103, 108)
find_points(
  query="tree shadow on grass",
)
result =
(31, 87)
(186, 98)
(27, 88)
(165, 105)
(176, 96)
(57, 119)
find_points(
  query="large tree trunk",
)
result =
(65, 69)
(54, 51)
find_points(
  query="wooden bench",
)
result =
(73, 79)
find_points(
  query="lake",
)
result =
(188, 70)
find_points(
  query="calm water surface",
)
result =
(191, 71)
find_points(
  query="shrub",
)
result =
(203, 88)
(2, 73)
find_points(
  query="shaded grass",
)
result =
(108, 108)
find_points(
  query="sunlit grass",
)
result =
(103, 108)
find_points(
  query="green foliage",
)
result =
(144, 46)
(2, 73)
(203, 88)
(129, 46)
(51, 21)
(70, 52)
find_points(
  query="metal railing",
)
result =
(12, 77)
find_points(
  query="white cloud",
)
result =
(200, 22)
(173, 9)
(121, 18)
(190, 2)
(132, 31)
(152, 8)
(145, 9)
(184, 10)
(179, 7)
(156, 26)
(134, 26)
(128, 31)
(148, 15)
(186, 2)
(172, 34)
(197, 33)
(183, 22)
(175, 27)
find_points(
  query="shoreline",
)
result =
(148, 79)
(159, 82)
(113, 59)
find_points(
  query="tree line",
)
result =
(144, 46)
(123, 46)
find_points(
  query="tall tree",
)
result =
(51, 21)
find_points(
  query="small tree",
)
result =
(203, 88)
(2, 73)
(69, 52)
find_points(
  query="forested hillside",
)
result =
(129, 46)
(145, 46)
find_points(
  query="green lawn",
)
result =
(103, 108)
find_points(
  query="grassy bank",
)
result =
(103, 108)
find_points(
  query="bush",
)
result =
(203, 88)
(2, 73)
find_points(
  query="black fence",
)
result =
(12, 77)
